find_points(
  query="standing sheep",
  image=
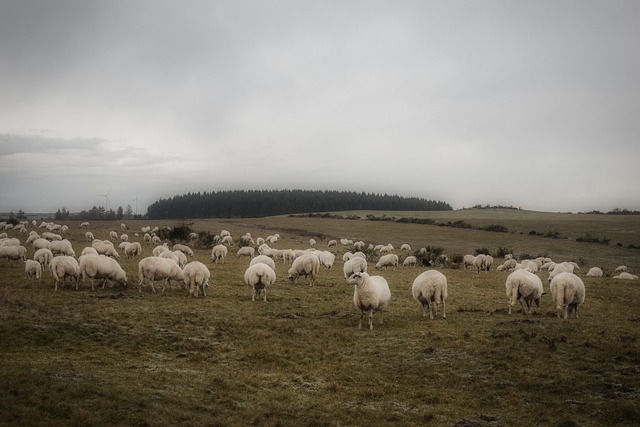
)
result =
(101, 267)
(430, 289)
(33, 269)
(388, 260)
(62, 267)
(246, 251)
(595, 272)
(133, 249)
(326, 259)
(219, 253)
(523, 286)
(196, 277)
(259, 276)
(184, 249)
(43, 256)
(13, 253)
(568, 293)
(307, 265)
(155, 268)
(370, 294)
(410, 261)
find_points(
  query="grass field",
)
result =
(116, 356)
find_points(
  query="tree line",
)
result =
(261, 203)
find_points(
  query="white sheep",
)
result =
(259, 276)
(123, 226)
(265, 260)
(370, 294)
(84, 225)
(524, 286)
(468, 261)
(62, 247)
(101, 267)
(595, 272)
(332, 243)
(13, 253)
(626, 276)
(405, 247)
(43, 256)
(388, 260)
(184, 249)
(62, 267)
(563, 267)
(41, 243)
(479, 262)
(155, 268)
(312, 242)
(133, 249)
(410, 261)
(354, 265)
(568, 292)
(196, 277)
(307, 265)
(104, 248)
(88, 236)
(430, 289)
(159, 249)
(219, 253)
(326, 259)
(246, 251)
(620, 269)
(181, 257)
(89, 250)
(33, 269)
(113, 235)
(227, 240)
(288, 255)
(124, 237)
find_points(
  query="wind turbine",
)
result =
(135, 200)
(106, 199)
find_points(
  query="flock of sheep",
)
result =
(100, 261)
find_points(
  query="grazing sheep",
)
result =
(155, 268)
(124, 237)
(265, 260)
(326, 259)
(524, 286)
(41, 243)
(33, 269)
(88, 236)
(405, 247)
(410, 261)
(62, 267)
(529, 265)
(332, 243)
(306, 265)
(246, 251)
(620, 269)
(259, 276)
(170, 255)
(43, 256)
(101, 267)
(181, 257)
(196, 277)
(13, 253)
(133, 249)
(479, 262)
(62, 247)
(567, 291)
(90, 250)
(354, 265)
(84, 225)
(159, 249)
(219, 253)
(468, 261)
(626, 276)
(312, 242)
(288, 255)
(104, 248)
(184, 249)
(430, 289)
(370, 294)
(563, 267)
(595, 272)
(113, 235)
(387, 260)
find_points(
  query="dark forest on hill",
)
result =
(261, 203)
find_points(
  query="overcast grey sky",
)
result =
(534, 104)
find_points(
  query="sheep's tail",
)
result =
(560, 290)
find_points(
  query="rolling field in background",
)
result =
(117, 356)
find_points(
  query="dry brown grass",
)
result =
(119, 357)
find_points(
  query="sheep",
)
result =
(563, 267)
(430, 289)
(154, 268)
(181, 257)
(354, 265)
(10, 242)
(156, 240)
(184, 249)
(101, 267)
(133, 249)
(170, 255)
(530, 265)
(370, 294)
(509, 264)
(62, 247)
(196, 277)
(626, 276)
(43, 256)
(41, 243)
(246, 251)
(479, 262)
(219, 253)
(32, 237)
(332, 243)
(33, 269)
(265, 260)
(159, 249)
(347, 256)
(326, 259)
(288, 255)
(104, 248)
(147, 238)
(124, 237)
(312, 242)
(90, 250)
(405, 247)
(387, 260)
(88, 236)
(410, 261)
(306, 265)
(84, 225)
(227, 240)
(123, 226)
(524, 286)
(568, 292)
(595, 272)
(62, 267)
(13, 253)
(468, 261)
(259, 276)
(620, 269)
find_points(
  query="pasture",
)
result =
(117, 356)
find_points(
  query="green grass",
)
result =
(119, 357)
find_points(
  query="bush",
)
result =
(503, 251)
(483, 251)
(593, 239)
(497, 228)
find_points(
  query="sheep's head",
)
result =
(355, 279)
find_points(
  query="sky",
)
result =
(531, 104)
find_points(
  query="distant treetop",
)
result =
(261, 203)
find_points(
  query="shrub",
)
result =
(497, 228)
(503, 251)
